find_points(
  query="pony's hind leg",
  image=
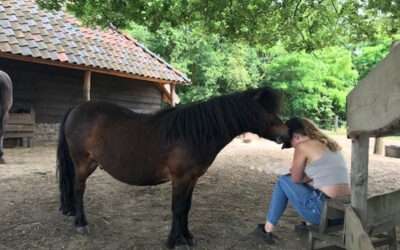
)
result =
(83, 171)
(74, 165)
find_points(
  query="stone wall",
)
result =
(46, 134)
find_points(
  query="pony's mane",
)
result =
(226, 115)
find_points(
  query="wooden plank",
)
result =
(18, 135)
(19, 127)
(50, 91)
(359, 176)
(330, 239)
(373, 105)
(393, 244)
(338, 203)
(383, 212)
(382, 241)
(354, 235)
(21, 118)
(323, 223)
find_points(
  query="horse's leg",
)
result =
(83, 171)
(182, 189)
(2, 124)
(186, 232)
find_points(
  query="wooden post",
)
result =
(86, 86)
(378, 148)
(359, 176)
(336, 123)
(172, 94)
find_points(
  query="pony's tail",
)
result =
(65, 171)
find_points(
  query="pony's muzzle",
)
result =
(280, 139)
(285, 140)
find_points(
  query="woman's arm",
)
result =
(298, 165)
(305, 179)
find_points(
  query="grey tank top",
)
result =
(330, 169)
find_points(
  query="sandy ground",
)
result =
(228, 202)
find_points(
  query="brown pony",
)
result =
(176, 144)
(6, 100)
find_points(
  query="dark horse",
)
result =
(6, 100)
(177, 144)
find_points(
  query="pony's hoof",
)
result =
(190, 242)
(83, 230)
(182, 247)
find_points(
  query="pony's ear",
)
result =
(259, 94)
(269, 98)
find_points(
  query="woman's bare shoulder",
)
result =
(311, 146)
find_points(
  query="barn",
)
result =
(55, 63)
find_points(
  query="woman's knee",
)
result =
(285, 179)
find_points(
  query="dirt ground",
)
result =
(228, 202)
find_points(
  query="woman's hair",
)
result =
(308, 128)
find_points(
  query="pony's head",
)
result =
(270, 126)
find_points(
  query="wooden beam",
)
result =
(373, 105)
(166, 94)
(172, 95)
(84, 67)
(378, 147)
(86, 85)
(359, 176)
(354, 235)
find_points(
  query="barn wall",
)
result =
(140, 96)
(51, 90)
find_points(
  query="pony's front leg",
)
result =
(2, 125)
(186, 232)
(182, 189)
(1, 149)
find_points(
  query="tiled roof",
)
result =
(26, 30)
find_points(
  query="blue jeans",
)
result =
(304, 199)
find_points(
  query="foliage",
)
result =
(229, 45)
(314, 86)
(215, 66)
(369, 55)
(297, 24)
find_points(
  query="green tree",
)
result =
(339, 77)
(314, 85)
(298, 24)
(214, 65)
(368, 55)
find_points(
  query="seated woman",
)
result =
(318, 172)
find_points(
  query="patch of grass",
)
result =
(340, 131)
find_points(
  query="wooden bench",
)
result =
(20, 125)
(332, 209)
(379, 207)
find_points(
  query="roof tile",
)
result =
(26, 30)
(4, 47)
(15, 49)
(44, 54)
